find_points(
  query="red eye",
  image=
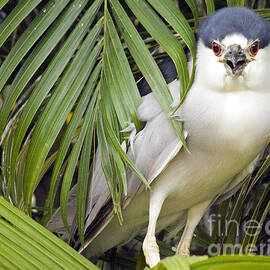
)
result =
(216, 48)
(254, 48)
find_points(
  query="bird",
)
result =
(226, 116)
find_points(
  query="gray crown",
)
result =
(231, 20)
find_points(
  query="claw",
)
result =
(183, 248)
(151, 251)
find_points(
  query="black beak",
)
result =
(235, 59)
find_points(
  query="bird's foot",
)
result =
(151, 251)
(183, 249)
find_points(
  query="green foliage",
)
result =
(25, 244)
(31, 246)
(70, 83)
(81, 59)
(217, 263)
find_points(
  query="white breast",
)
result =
(226, 131)
(236, 121)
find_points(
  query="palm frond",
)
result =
(85, 50)
(80, 59)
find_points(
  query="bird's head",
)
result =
(233, 50)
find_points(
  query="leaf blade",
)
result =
(52, 244)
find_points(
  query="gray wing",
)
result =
(98, 196)
(157, 144)
(151, 150)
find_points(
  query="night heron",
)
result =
(226, 117)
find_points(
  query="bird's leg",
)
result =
(193, 217)
(150, 247)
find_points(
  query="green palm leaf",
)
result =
(31, 246)
(62, 89)
(81, 58)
